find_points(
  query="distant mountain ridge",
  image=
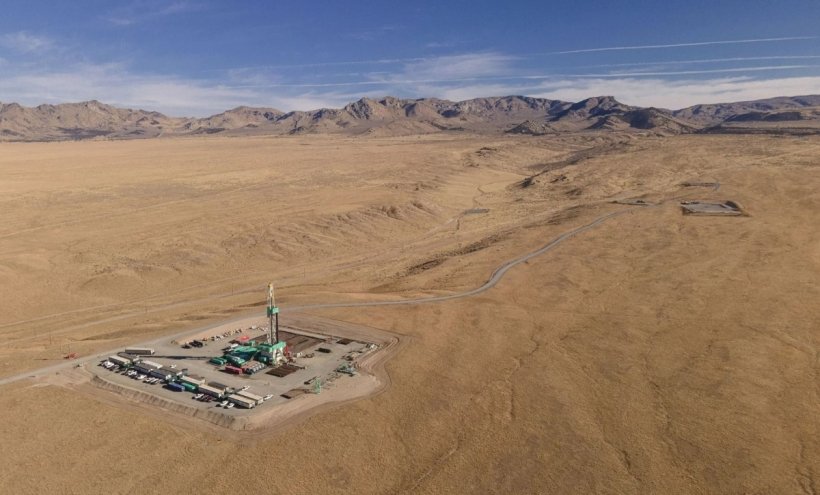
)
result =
(390, 116)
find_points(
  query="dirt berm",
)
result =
(233, 423)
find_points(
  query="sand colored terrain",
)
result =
(654, 353)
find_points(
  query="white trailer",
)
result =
(120, 361)
(214, 392)
(150, 364)
(258, 399)
(242, 401)
(191, 380)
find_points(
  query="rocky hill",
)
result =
(391, 116)
(79, 121)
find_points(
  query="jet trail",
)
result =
(681, 45)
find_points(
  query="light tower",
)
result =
(273, 317)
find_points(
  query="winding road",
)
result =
(496, 276)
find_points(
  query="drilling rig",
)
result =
(273, 317)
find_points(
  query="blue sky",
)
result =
(185, 57)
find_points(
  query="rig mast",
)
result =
(273, 317)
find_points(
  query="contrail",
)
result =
(702, 61)
(681, 45)
(691, 72)
(393, 61)
(520, 77)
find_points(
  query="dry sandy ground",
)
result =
(656, 353)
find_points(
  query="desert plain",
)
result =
(652, 353)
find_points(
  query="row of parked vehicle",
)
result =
(214, 338)
(130, 373)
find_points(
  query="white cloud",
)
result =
(678, 94)
(469, 65)
(115, 84)
(145, 10)
(43, 78)
(25, 42)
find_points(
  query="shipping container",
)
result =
(233, 370)
(140, 351)
(189, 387)
(176, 387)
(217, 361)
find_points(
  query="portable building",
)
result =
(244, 393)
(193, 380)
(143, 368)
(205, 389)
(242, 401)
(119, 360)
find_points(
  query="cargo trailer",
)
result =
(140, 351)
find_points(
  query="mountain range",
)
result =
(391, 116)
